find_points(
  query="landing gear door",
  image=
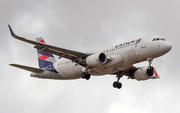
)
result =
(143, 43)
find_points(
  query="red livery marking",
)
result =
(42, 41)
(43, 57)
(156, 75)
(138, 39)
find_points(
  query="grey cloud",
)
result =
(85, 26)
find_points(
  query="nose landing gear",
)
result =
(150, 68)
(150, 60)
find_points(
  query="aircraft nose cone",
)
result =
(168, 46)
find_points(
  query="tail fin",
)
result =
(44, 58)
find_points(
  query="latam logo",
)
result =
(138, 40)
(127, 43)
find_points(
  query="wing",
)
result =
(75, 56)
(27, 68)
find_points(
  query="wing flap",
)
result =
(27, 68)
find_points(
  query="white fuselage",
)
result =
(120, 56)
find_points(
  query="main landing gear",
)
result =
(85, 76)
(117, 84)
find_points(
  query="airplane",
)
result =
(116, 60)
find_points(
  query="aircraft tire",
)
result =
(119, 85)
(83, 75)
(88, 76)
(115, 84)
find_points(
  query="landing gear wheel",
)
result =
(117, 85)
(150, 71)
(150, 68)
(85, 76)
(88, 76)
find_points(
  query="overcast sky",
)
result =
(86, 25)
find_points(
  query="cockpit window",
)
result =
(157, 39)
(162, 39)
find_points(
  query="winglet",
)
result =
(11, 31)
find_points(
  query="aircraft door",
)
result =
(132, 56)
(143, 43)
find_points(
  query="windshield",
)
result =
(157, 39)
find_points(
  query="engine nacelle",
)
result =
(97, 59)
(145, 73)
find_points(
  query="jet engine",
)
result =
(145, 73)
(96, 60)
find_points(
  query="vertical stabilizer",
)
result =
(44, 58)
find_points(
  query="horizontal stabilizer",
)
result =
(27, 68)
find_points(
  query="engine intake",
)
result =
(97, 59)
